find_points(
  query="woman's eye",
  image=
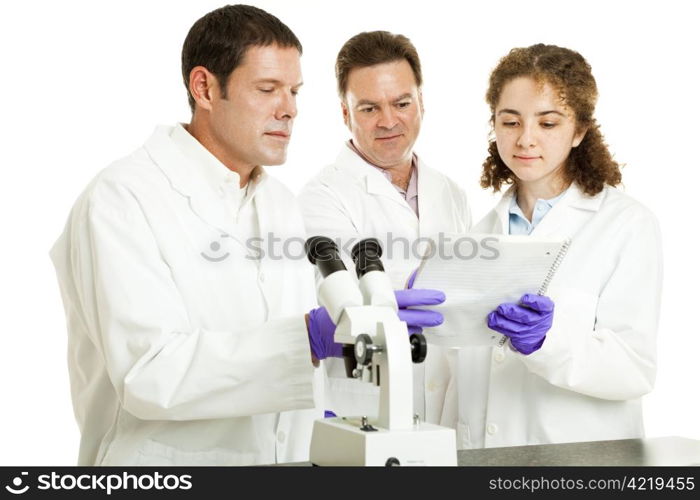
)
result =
(510, 124)
(549, 125)
(267, 91)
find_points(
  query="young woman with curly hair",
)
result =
(578, 360)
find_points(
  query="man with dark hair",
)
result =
(379, 188)
(219, 41)
(185, 347)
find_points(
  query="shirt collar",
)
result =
(217, 175)
(411, 191)
(515, 208)
(519, 224)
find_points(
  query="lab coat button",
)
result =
(499, 356)
(492, 429)
(281, 436)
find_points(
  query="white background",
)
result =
(84, 83)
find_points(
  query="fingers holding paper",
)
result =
(418, 297)
(539, 303)
(526, 323)
(417, 319)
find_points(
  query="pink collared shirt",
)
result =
(410, 194)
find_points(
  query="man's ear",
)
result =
(203, 86)
(346, 113)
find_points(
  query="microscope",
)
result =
(365, 314)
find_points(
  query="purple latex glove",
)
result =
(321, 331)
(526, 324)
(417, 319)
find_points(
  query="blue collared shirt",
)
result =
(518, 223)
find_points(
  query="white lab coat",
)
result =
(350, 200)
(170, 360)
(599, 357)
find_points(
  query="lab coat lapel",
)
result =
(568, 215)
(375, 183)
(184, 179)
(433, 210)
(379, 185)
(501, 209)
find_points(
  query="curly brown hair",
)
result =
(590, 164)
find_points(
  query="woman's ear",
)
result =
(578, 137)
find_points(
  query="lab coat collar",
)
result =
(215, 172)
(431, 186)
(196, 176)
(374, 181)
(218, 175)
(571, 210)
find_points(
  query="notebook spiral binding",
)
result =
(555, 265)
(550, 275)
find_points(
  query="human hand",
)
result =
(526, 324)
(321, 331)
(417, 319)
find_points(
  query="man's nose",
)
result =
(387, 118)
(287, 108)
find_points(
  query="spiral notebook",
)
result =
(478, 272)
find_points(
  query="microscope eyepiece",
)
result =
(366, 255)
(323, 253)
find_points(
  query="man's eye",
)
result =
(367, 110)
(403, 104)
(267, 91)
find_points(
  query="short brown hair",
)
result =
(590, 164)
(219, 40)
(374, 47)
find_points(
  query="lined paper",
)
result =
(478, 272)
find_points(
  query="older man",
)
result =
(378, 187)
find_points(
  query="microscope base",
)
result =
(341, 441)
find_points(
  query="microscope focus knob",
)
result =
(364, 349)
(419, 347)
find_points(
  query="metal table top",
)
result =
(663, 451)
